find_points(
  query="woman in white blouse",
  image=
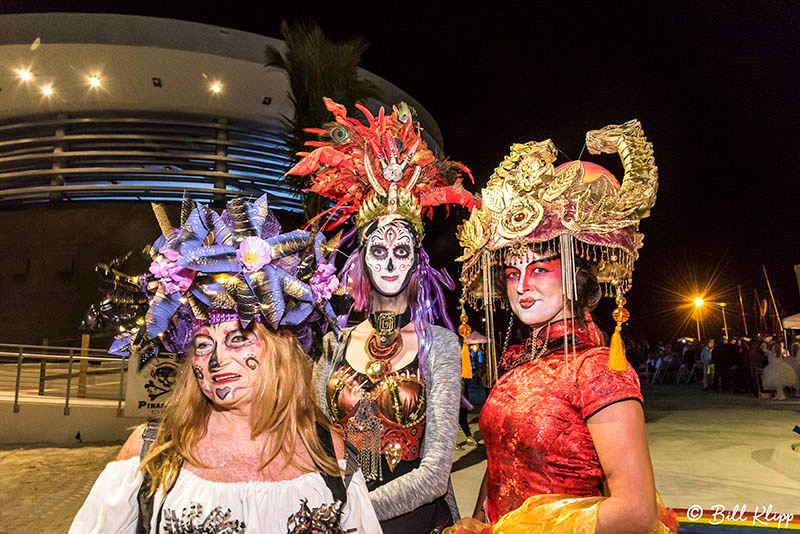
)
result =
(215, 449)
(242, 446)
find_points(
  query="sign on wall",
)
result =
(149, 387)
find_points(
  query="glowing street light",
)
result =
(24, 75)
(698, 303)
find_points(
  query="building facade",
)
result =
(101, 114)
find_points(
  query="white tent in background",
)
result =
(793, 322)
(476, 338)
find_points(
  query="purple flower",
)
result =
(323, 282)
(253, 253)
(171, 276)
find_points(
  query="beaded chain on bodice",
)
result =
(385, 417)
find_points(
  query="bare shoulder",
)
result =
(361, 331)
(133, 446)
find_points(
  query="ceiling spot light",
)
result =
(94, 81)
(47, 90)
(267, 101)
(24, 75)
(156, 82)
(216, 87)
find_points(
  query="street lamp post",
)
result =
(698, 303)
(724, 322)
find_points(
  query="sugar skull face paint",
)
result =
(224, 361)
(390, 257)
(533, 287)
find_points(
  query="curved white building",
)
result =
(98, 106)
(99, 113)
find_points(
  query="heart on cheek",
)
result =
(222, 392)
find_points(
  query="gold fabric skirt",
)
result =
(555, 514)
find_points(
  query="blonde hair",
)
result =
(282, 405)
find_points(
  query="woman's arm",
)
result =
(621, 443)
(429, 481)
(479, 512)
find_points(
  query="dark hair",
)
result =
(588, 288)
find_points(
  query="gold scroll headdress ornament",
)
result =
(530, 205)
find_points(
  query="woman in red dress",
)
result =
(563, 425)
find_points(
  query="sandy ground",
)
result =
(43, 487)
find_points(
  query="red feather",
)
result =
(338, 172)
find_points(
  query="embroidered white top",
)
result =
(264, 507)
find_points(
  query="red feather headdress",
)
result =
(383, 167)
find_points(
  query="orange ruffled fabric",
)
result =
(553, 514)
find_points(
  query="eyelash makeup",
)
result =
(232, 343)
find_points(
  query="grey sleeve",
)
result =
(430, 480)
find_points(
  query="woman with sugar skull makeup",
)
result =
(563, 426)
(242, 446)
(392, 382)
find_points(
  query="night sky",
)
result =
(714, 84)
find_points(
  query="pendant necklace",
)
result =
(538, 348)
(384, 342)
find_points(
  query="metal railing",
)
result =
(61, 372)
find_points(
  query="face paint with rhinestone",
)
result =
(390, 258)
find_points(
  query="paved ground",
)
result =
(42, 488)
(707, 449)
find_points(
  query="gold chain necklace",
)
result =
(537, 352)
(384, 342)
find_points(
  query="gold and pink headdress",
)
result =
(575, 209)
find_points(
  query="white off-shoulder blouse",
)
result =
(264, 507)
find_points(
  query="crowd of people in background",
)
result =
(761, 365)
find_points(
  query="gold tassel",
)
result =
(616, 352)
(466, 366)
(464, 331)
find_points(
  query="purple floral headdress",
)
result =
(236, 265)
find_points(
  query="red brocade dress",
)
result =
(537, 440)
(534, 421)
